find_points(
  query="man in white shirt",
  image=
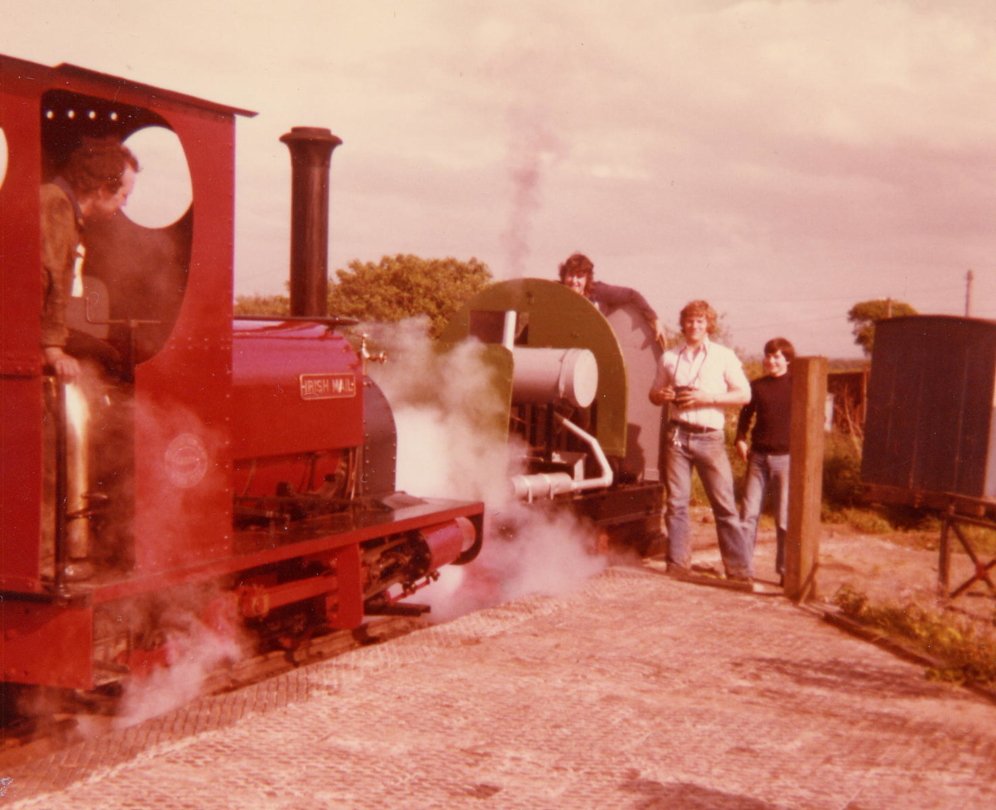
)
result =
(698, 380)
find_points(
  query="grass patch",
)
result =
(966, 647)
(982, 538)
(868, 521)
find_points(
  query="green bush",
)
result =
(843, 494)
(966, 651)
(841, 473)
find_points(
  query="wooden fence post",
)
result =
(802, 546)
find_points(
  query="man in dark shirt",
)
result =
(578, 273)
(768, 455)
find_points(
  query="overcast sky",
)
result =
(783, 160)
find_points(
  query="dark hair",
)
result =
(577, 264)
(780, 344)
(699, 308)
(98, 163)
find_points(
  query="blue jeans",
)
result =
(706, 453)
(767, 473)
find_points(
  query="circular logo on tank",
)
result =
(186, 461)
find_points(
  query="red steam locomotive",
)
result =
(242, 472)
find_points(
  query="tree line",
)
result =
(404, 286)
(395, 288)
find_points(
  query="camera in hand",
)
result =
(681, 389)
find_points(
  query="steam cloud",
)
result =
(445, 411)
(194, 649)
(196, 627)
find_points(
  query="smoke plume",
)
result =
(532, 145)
(195, 646)
(450, 446)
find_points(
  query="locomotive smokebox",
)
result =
(311, 155)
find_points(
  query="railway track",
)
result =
(72, 716)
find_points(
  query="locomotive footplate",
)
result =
(396, 514)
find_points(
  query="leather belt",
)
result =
(692, 428)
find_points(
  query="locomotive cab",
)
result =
(241, 473)
(150, 340)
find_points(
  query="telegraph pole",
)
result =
(969, 276)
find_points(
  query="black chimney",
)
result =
(311, 154)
